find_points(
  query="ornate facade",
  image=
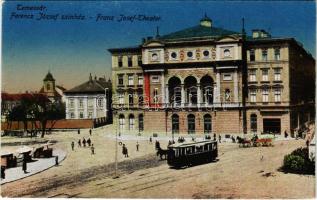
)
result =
(210, 80)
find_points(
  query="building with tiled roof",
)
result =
(206, 79)
(51, 90)
(90, 100)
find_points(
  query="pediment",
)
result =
(153, 44)
(228, 39)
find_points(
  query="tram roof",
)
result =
(188, 144)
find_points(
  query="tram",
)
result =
(193, 153)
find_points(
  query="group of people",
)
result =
(83, 142)
(88, 141)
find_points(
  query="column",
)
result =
(95, 108)
(217, 88)
(235, 86)
(182, 95)
(166, 95)
(198, 95)
(163, 100)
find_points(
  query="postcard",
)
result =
(158, 99)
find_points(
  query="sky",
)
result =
(71, 49)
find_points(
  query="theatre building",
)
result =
(206, 79)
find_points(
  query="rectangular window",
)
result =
(140, 80)
(100, 102)
(140, 60)
(265, 95)
(277, 74)
(130, 98)
(265, 75)
(129, 61)
(81, 115)
(71, 103)
(89, 115)
(227, 77)
(90, 102)
(72, 115)
(277, 55)
(277, 95)
(81, 103)
(252, 55)
(253, 95)
(120, 79)
(119, 61)
(264, 54)
(121, 98)
(252, 75)
(130, 80)
(155, 79)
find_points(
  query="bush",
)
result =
(299, 162)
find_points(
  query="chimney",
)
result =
(257, 33)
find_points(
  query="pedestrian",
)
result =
(79, 143)
(73, 145)
(150, 139)
(125, 150)
(78, 131)
(90, 132)
(89, 142)
(215, 137)
(3, 175)
(157, 145)
(137, 146)
(56, 160)
(92, 149)
(24, 166)
(169, 143)
(285, 134)
(84, 142)
(219, 138)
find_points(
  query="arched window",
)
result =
(175, 123)
(207, 123)
(253, 123)
(121, 122)
(191, 123)
(141, 122)
(131, 122)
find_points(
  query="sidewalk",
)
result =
(16, 173)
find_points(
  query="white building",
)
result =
(90, 100)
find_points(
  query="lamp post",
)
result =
(116, 148)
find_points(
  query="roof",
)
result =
(187, 144)
(60, 87)
(56, 94)
(18, 97)
(198, 32)
(49, 77)
(91, 86)
(125, 49)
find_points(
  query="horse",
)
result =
(243, 142)
(161, 152)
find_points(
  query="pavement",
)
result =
(41, 164)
